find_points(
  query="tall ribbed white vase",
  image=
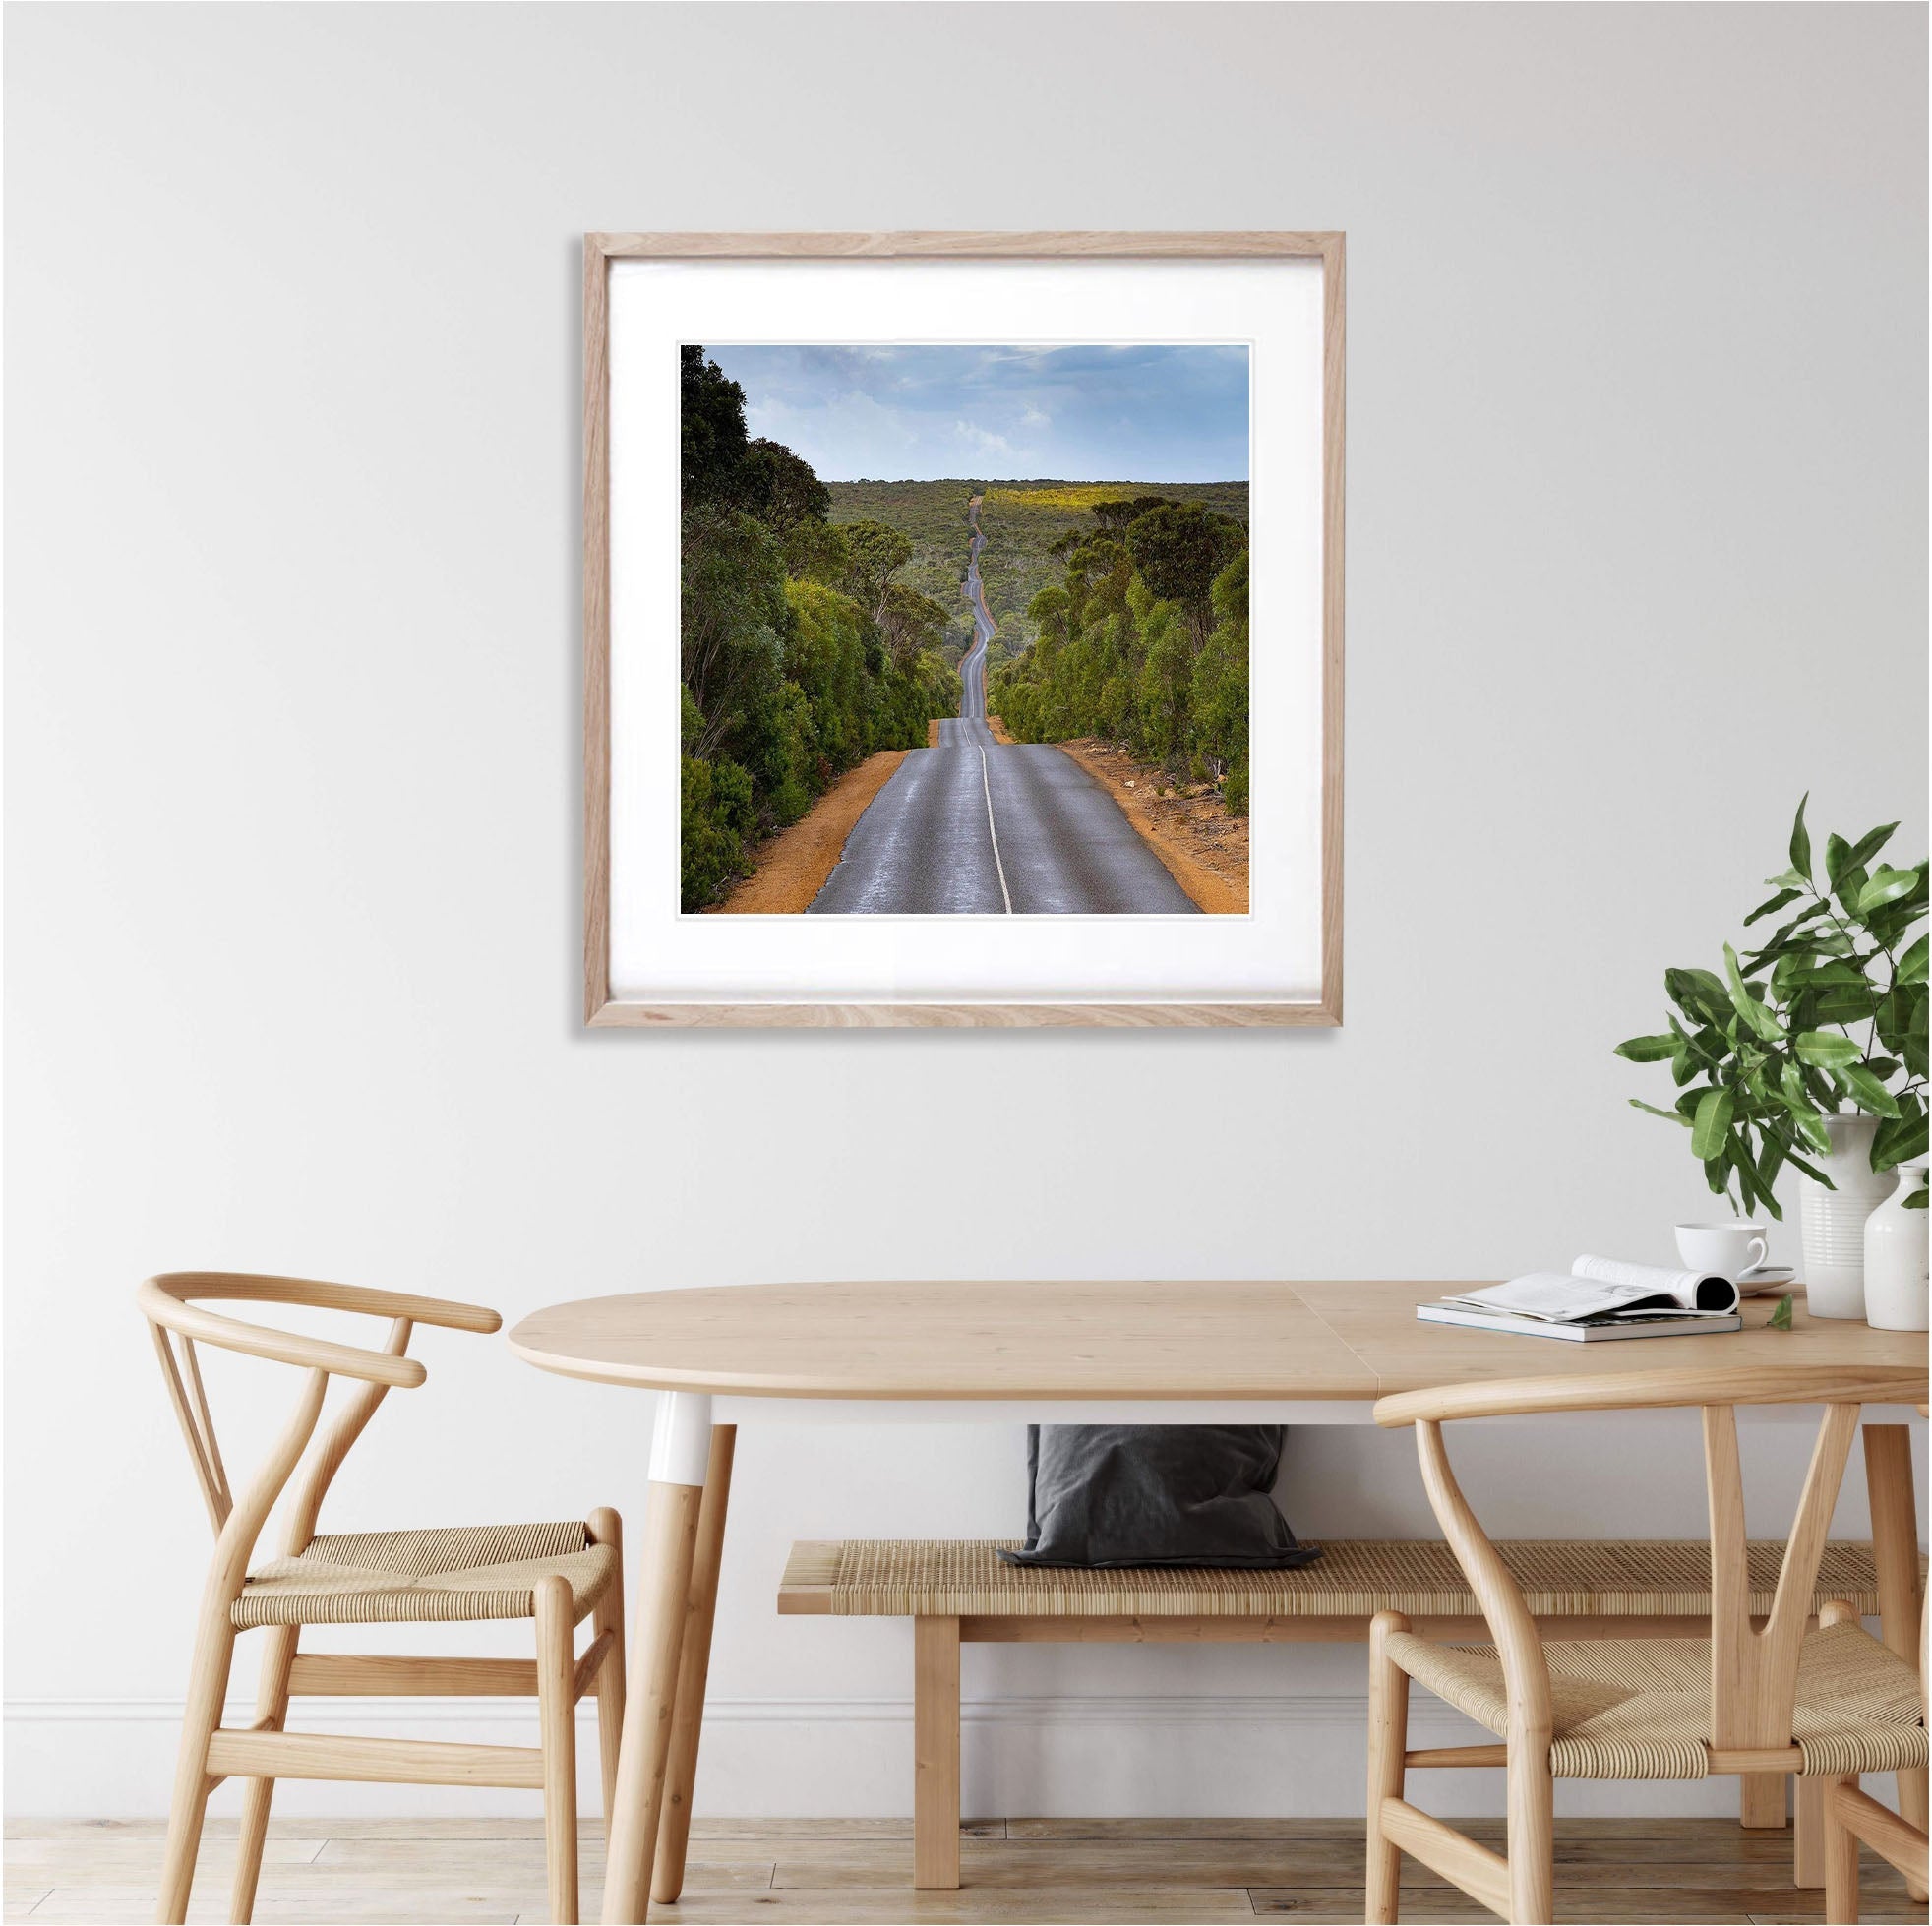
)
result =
(1896, 1249)
(1834, 1221)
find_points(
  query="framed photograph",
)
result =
(963, 629)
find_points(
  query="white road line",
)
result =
(993, 831)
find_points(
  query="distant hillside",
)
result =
(934, 515)
(1019, 521)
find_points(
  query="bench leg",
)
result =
(1895, 1551)
(936, 1753)
(1760, 1799)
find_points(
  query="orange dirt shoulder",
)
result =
(790, 868)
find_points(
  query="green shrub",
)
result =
(717, 816)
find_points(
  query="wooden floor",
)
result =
(857, 1872)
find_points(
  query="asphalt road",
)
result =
(982, 826)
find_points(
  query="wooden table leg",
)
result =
(1895, 1551)
(680, 1452)
(687, 1725)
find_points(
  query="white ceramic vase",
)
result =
(1834, 1221)
(1896, 1246)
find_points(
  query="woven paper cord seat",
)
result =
(1641, 1707)
(890, 1578)
(410, 1578)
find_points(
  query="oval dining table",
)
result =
(1064, 1353)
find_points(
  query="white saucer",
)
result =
(1767, 1277)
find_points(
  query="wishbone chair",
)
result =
(555, 1574)
(1853, 1817)
(1823, 1701)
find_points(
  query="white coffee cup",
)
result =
(1724, 1251)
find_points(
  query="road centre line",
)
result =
(993, 829)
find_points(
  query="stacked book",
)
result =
(1597, 1299)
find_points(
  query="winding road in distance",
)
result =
(981, 826)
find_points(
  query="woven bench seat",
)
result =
(1353, 1578)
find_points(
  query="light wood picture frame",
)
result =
(612, 1004)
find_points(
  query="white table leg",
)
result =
(681, 1447)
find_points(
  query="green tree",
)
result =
(910, 622)
(1167, 681)
(734, 618)
(875, 554)
(711, 431)
(1219, 700)
(1178, 551)
(782, 489)
(1114, 516)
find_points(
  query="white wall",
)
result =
(1637, 551)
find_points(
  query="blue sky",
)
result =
(1150, 414)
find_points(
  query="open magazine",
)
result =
(1596, 1290)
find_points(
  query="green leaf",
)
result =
(1911, 965)
(1915, 1202)
(1712, 1124)
(1904, 1138)
(1871, 842)
(1833, 971)
(1866, 1091)
(1647, 1049)
(1771, 905)
(1819, 1046)
(1699, 992)
(1746, 1173)
(1810, 1170)
(1838, 853)
(1910, 1143)
(1844, 1002)
(1810, 1125)
(1770, 1160)
(1781, 1316)
(1802, 841)
(1788, 879)
(1764, 1021)
(1886, 887)
(1638, 1103)
(1707, 1047)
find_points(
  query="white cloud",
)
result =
(980, 441)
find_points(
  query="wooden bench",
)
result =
(959, 1593)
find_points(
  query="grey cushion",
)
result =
(1154, 1494)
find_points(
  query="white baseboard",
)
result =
(834, 1758)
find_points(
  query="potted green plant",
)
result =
(1809, 1049)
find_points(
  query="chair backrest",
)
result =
(177, 1320)
(1753, 1670)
